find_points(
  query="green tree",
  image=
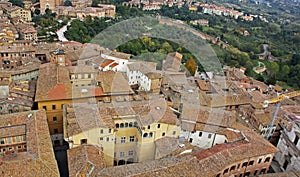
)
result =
(68, 3)
(95, 3)
(17, 3)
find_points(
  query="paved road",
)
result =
(60, 32)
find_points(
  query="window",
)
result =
(45, 107)
(83, 141)
(2, 141)
(296, 140)
(101, 131)
(225, 171)
(259, 160)
(115, 155)
(247, 174)
(263, 171)
(115, 140)
(107, 139)
(19, 147)
(54, 119)
(131, 138)
(158, 125)
(218, 175)
(148, 126)
(130, 152)
(145, 135)
(209, 135)
(55, 130)
(232, 168)
(109, 130)
(251, 162)
(191, 140)
(17, 139)
(163, 134)
(200, 134)
(53, 107)
(121, 125)
(123, 139)
(101, 138)
(24, 137)
(244, 164)
(117, 125)
(174, 132)
(122, 154)
(268, 159)
(255, 173)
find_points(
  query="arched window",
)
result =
(126, 124)
(151, 134)
(117, 125)
(121, 125)
(130, 124)
(145, 135)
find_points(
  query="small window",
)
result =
(131, 138)
(158, 125)
(244, 164)
(115, 155)
(2, 141)
(209, 135)
(255, 173)
(130, 152)
(45, 108)
(268, 159)
(263, 171)
(122, 154)
(232, 168)
(101, 138)
(163, 134)
(101, 131)
(123, 139)
(53, 107)
(251, 162)
(107, 139)
(148, 126)
(54, 119)
(109, 130)
(55, 130)
(259, 160)
(83, 141)
(200, 134)
(225, 171)
(174, 132)
(191, 140)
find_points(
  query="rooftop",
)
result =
(39, 158)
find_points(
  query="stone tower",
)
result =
(50, 4)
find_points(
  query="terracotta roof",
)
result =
(39, 158)
(203, 163)
(54, 84)
(106, 63)
(82, 117)
(113, 82)
(166, 145)
(85, 160)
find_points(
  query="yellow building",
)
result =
(18, 12)
(126, 130)
(59, 85)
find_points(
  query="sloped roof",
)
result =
(39, 158)
(85, 160)
(203, 163)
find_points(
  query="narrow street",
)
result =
(60, 32)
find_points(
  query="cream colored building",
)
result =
(18, 12)
(126, 130)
